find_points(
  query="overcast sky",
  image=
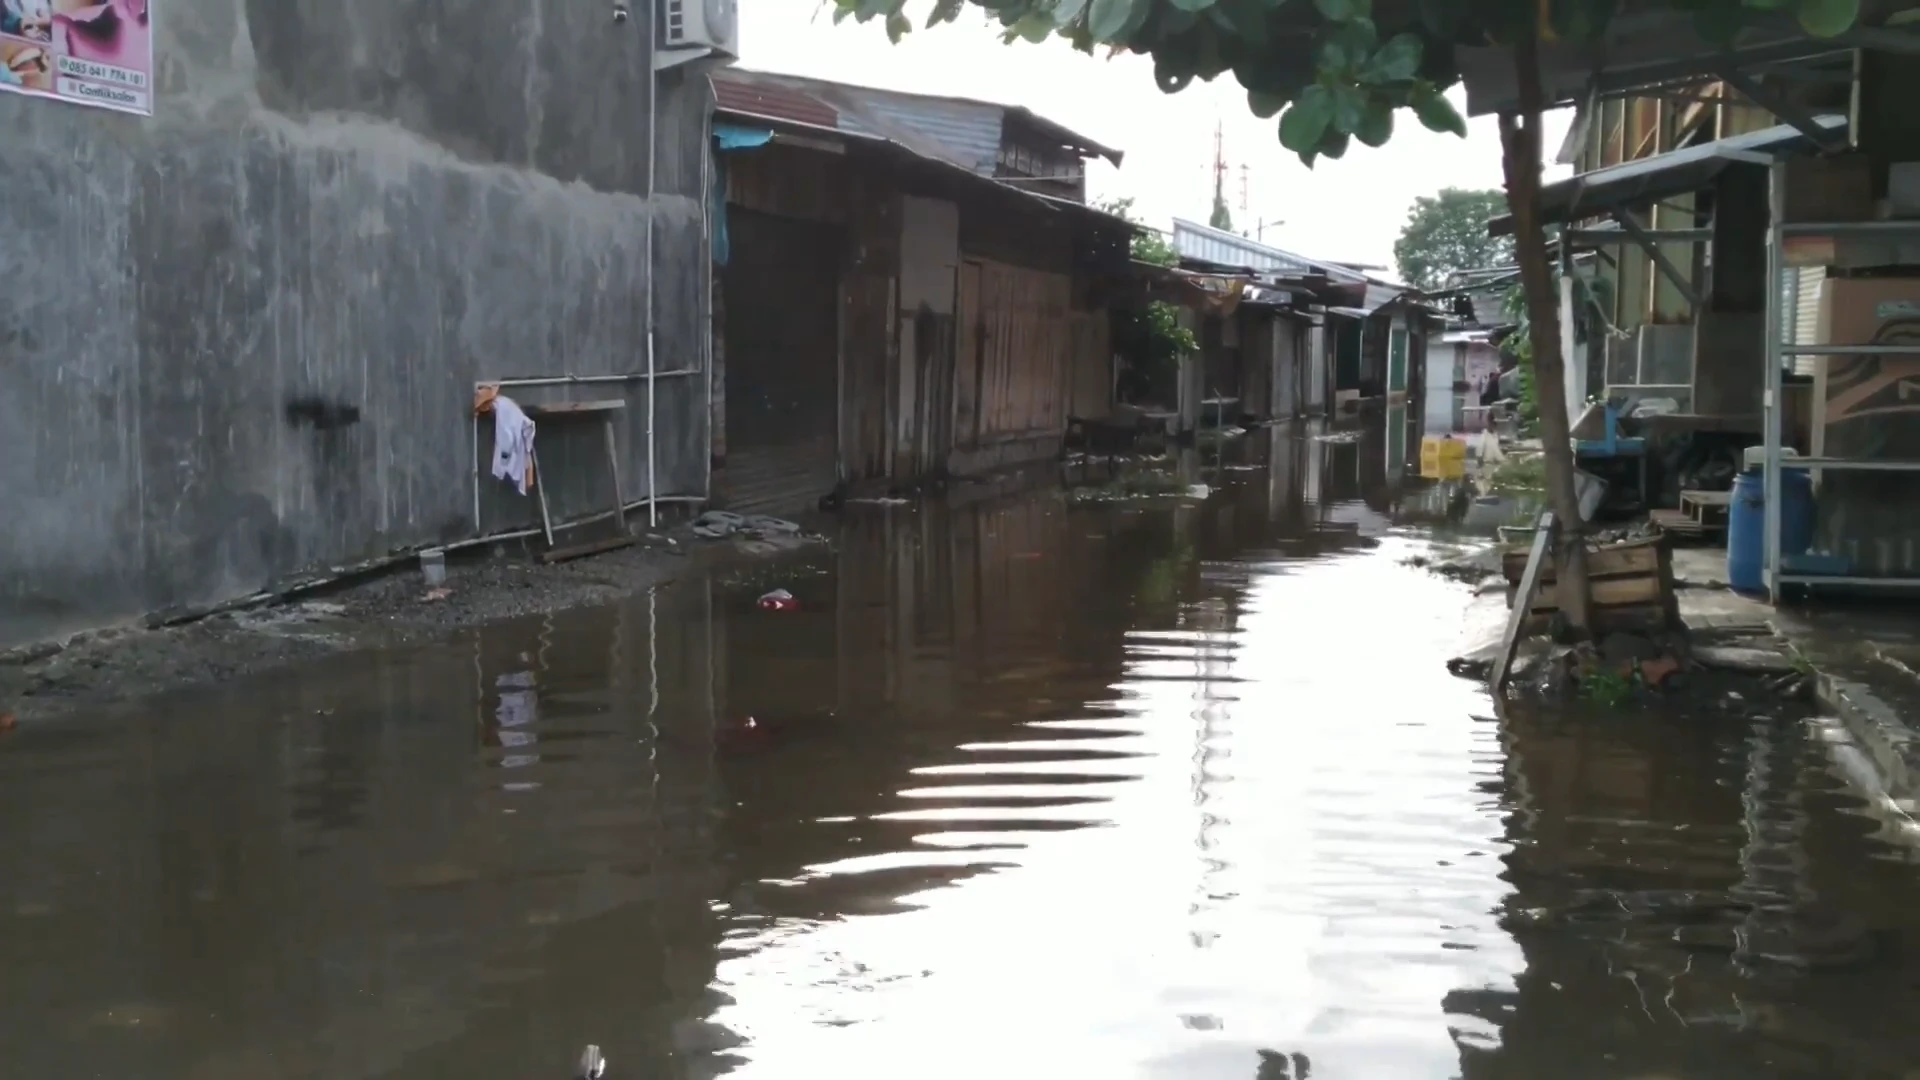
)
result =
(1348, 210)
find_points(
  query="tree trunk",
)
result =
(1521, 159)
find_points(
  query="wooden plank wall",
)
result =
(1090, 365)
(1016, 337)
(790, 181)
(1256, 360)
(929, 268)
(869, 346)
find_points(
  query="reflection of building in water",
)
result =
(340, 835)
(956, 624)
(1644, 862)
(1210, 624)
(515, 718)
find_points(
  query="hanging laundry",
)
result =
(512, 437)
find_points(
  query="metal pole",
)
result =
(1770, 405)
(653, 210)
(653, 512)
(570, 380)
(475, 462)
(707, 328)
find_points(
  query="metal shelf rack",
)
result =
(1779, 231)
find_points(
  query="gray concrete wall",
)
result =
(239, 338)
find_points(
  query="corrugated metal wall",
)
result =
(1318, 371)
(1289, 374)
(1804, 314)
(1256, 360)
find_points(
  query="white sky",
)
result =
(1349, 210)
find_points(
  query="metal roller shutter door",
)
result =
(782, 289)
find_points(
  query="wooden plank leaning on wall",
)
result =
(1015, 339)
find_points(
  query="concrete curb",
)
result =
(1891, 745)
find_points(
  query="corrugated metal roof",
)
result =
(815, 103)
(969, 133)
(1662, 176)
(1195, 241)
(960, 130)
(770, 98)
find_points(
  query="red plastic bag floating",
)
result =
(779, 600)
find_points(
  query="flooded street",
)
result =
(1025, 788)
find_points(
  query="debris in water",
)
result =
(7, 722)
(436, 594)
(593, 1064)
(778, 600)
(720, 524)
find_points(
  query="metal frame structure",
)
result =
(1779, 351)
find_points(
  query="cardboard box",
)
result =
(1868, 406)
(1830, 188)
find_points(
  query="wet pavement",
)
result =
(1024, 788)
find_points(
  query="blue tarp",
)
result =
(735, 137)
(729, 137)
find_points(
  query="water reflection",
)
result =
(1022, 787)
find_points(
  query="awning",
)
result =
(1210, 293)
(1653, 42)
(1663, 176)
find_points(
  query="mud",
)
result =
(115, 665)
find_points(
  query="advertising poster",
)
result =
(88, 53)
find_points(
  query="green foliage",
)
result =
(1608, 689)
(1591, 299)
(1447, 233)
(1222, 218)
(1519, 474)
(1148, 334)
(1329, 69)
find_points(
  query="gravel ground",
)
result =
(114, 665)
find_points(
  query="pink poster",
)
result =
(89, 53)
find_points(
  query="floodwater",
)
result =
(1025, 789)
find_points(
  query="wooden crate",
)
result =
(1701, 513)
(1631, 586)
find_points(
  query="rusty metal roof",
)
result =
(963, 131)
(739, 91)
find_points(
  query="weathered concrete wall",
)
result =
(239, 338)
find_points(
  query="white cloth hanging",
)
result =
(512, 444)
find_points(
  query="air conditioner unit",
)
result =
(691, 30)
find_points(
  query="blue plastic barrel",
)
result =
(1747, 524)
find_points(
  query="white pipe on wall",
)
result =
(653, 210)
(707, 329)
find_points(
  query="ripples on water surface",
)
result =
(1029, 791)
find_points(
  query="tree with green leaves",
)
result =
(1336, 71)
(1447, 233)
(1222, 218)
(1147, 333)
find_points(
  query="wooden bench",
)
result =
(606, 410)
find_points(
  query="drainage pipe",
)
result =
(653, 212)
